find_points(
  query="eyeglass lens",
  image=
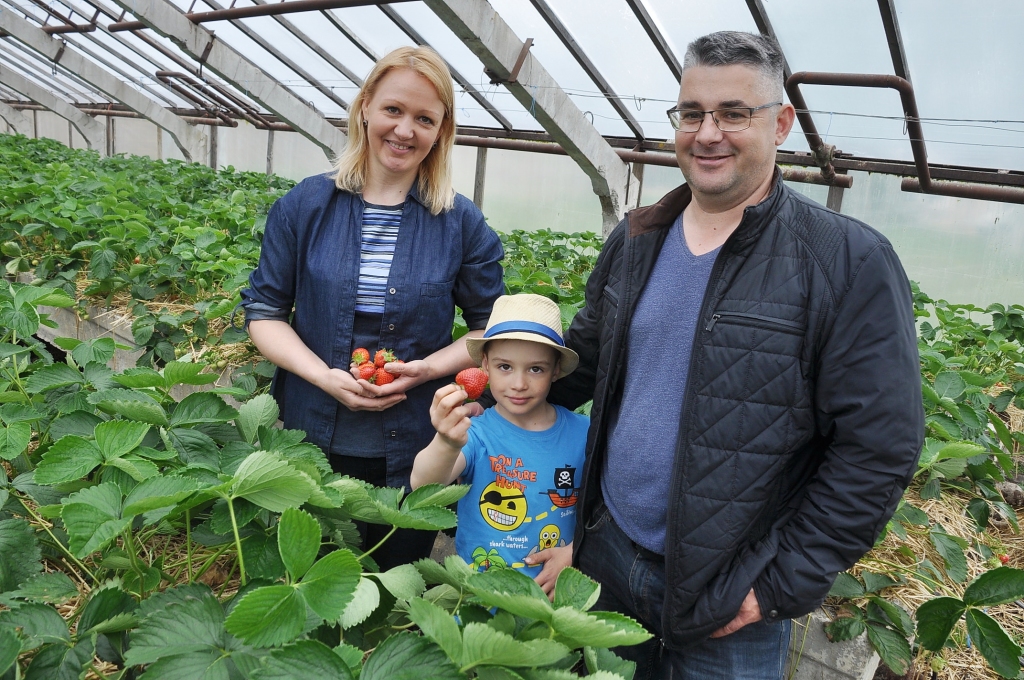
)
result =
(727, 120)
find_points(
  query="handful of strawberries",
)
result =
(373, 371)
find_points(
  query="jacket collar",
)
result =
(664, 213)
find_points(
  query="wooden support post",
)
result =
(270, 153)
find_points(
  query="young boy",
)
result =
(523, 457)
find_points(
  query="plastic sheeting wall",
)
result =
(960, 250)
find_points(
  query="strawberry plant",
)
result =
(145, 536)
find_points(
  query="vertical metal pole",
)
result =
(481, 172)
(835, 196)
(35, 124)
(213, 147)
(71, 138)
(159, 143)
(270, 153)
(110, 136)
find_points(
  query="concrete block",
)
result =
(813, 657)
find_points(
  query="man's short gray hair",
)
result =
(730, 48)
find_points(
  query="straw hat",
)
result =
(526, 317)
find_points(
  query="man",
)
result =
(757, 409)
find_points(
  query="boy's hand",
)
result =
(450, 416)
(554, 561)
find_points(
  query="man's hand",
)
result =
(554, 561)
(750, 612)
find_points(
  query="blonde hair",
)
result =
(435, 172)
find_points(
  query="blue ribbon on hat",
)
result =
(524, 327)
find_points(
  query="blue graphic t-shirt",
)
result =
(524, 489)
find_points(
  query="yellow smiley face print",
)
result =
(502, 508)
(549, 537)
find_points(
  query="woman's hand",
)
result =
(554, 561)
(352, 393)
(407, 376)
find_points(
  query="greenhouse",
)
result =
(226, 458)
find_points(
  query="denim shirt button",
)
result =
(392, 291)
(394, 433)
(391, 326)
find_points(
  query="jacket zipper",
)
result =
(764, 321)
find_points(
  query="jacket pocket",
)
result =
(436, 289)
(611, 295)
(756, 321)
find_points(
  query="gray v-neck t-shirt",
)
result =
(637, 472)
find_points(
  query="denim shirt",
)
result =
(308, 272)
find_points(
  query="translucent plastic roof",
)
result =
(961, 59)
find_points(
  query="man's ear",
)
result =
(784, 123)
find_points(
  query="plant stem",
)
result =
(98, 672)
(188, 543)
(238, 542)
(209, 563)
(394, 528)
(907, 570)
(40, 522)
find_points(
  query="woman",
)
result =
(376, 255)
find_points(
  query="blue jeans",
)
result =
(633, 583)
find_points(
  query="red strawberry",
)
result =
(381, 377)
(382, 357)
(1004, 558)
(360, 356)
(473, 380)
(366, 370)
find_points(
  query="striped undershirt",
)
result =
(380, 233)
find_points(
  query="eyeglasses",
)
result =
(733, 119)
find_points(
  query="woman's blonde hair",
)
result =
(435, 173)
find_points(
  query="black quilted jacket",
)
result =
(802, 421)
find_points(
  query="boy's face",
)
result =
(520, 373)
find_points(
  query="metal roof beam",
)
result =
(458, 77)
(220, 14)
(29, 65)
(350, 34)
(200, 44)
(17, 120)
(588, 66)
(892, 35)
(193, 142)
(656, 36)
(284, 59)
(95, 133)
(485, 33)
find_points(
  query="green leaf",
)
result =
(403, 581)
(201, 407)
(998, 586)
(846, 585)
(911, 514)
(436, 495)
(874, 583)
(14, 439)
(182, 373)
(19, 553)
(329, 584)
(262, 558)
(195, 448)
(51, 377)
(844, 628)
(949, 384)
(268, 481)
(130, 404)
(268, 616)
(92, 517)
(998, 648)
(892, 647)
(188, 622)
(54, 587)
(39, 623)
(298, 539)
(960, 450)
(81, 423)
(100, 350)
(597, 629)
(409, 657)
(438, 625)
(105, 604)
(364, 602)
(484, 646)
(71, 458)
(59, 661)
(206, 664)
(135, 467)
(10, 648)
(261, 410)
(139, 377)
(936, 619)
(117, 438)
(952, 555)
(574, 589)
(896, 614)
(433, 572)
(513, 591)
(162, 491)
(304, 660)
(601, 659)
